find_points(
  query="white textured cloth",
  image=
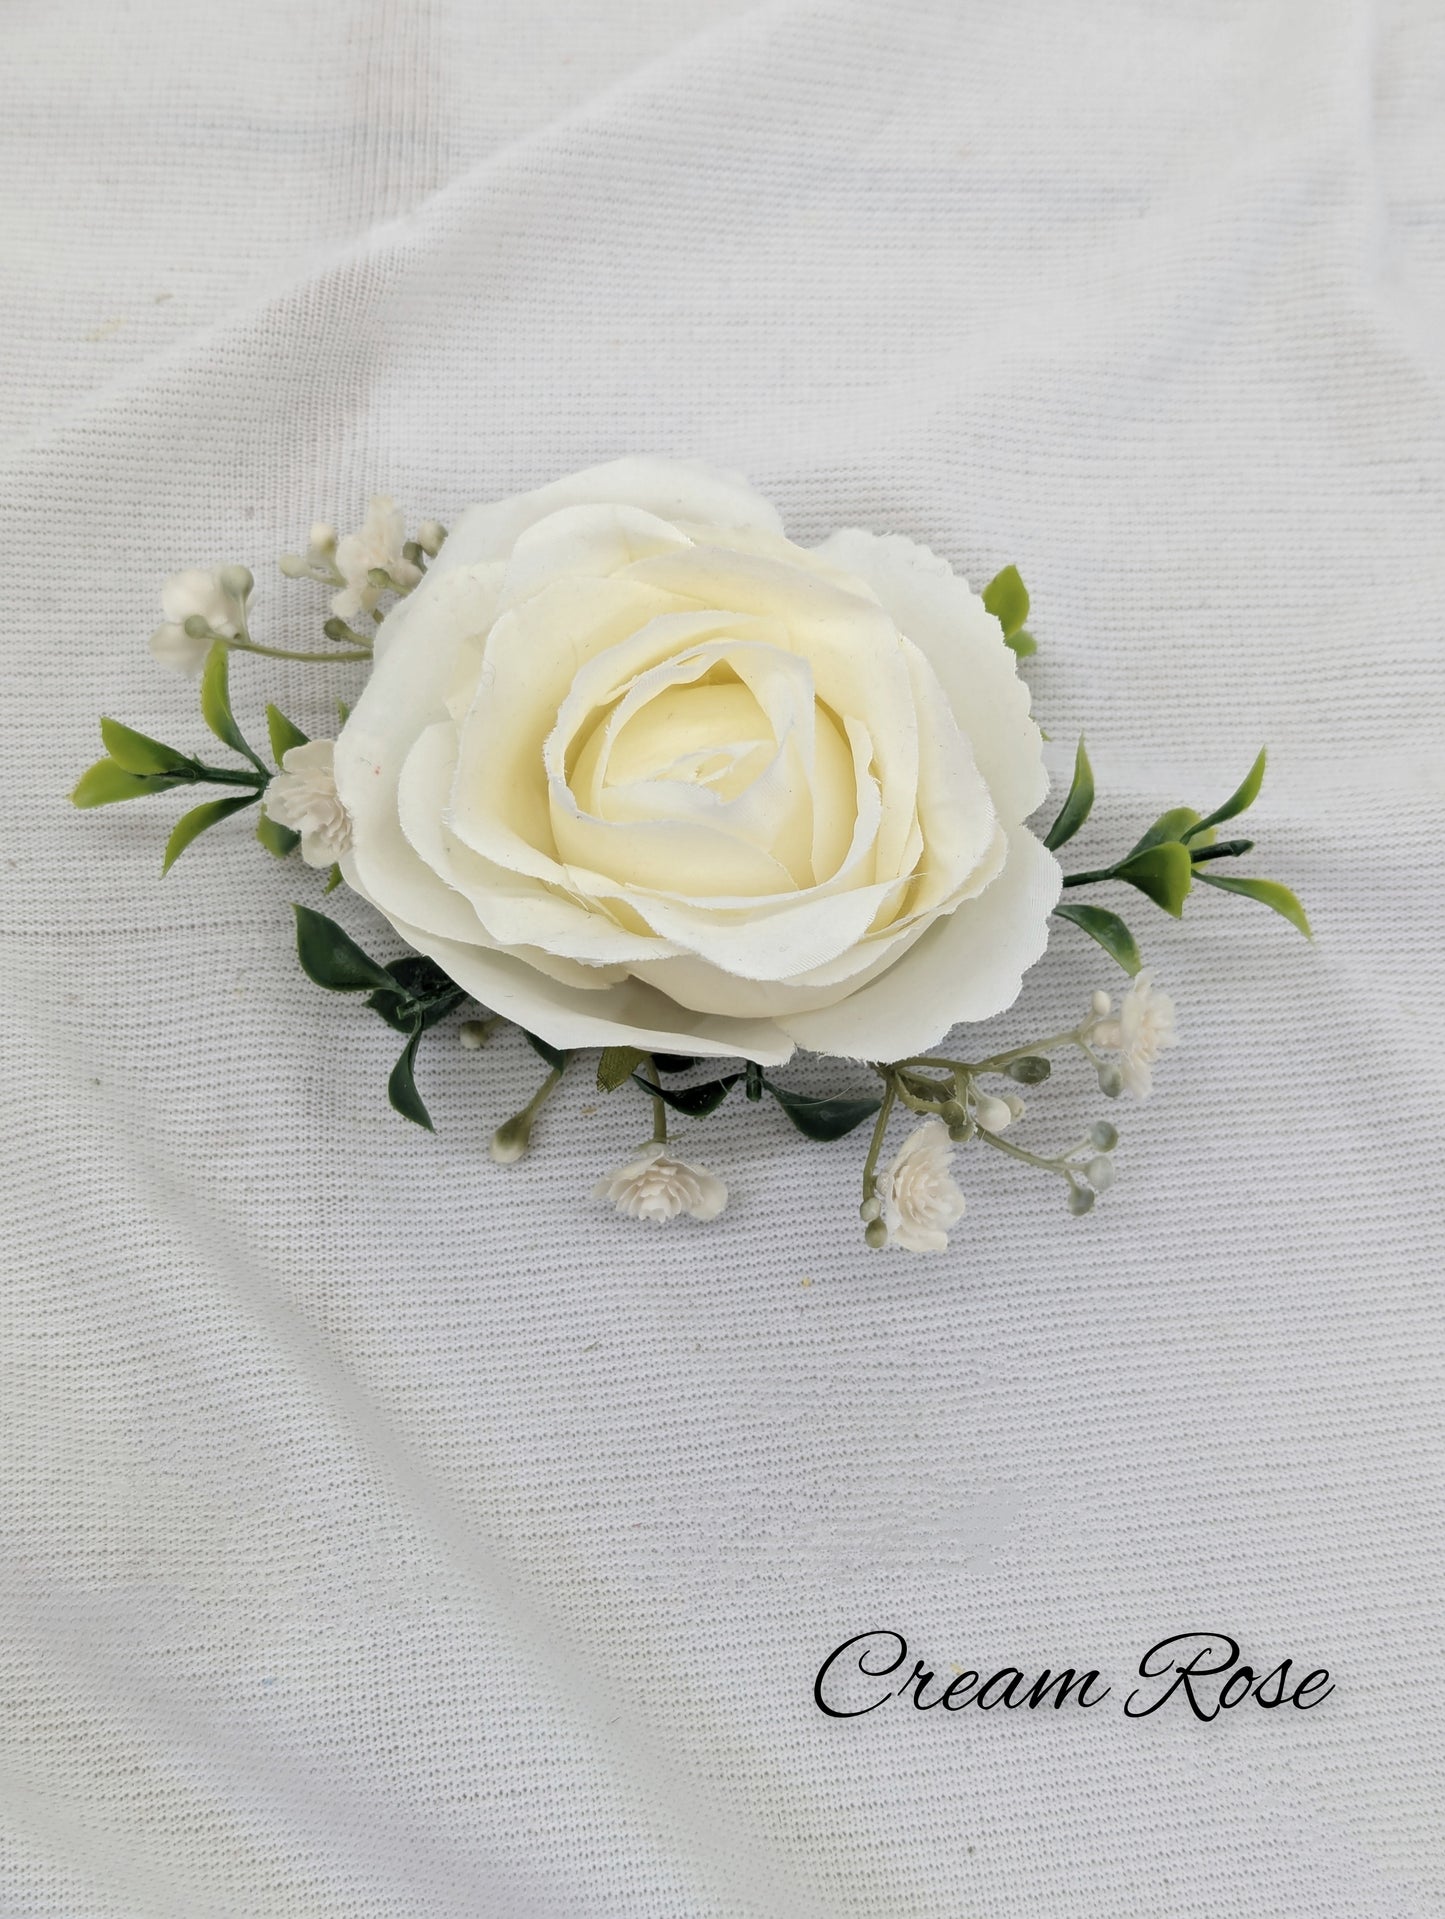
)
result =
(390, 1534)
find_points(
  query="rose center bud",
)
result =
(724, 747)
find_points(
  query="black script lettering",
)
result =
(1307, 1684)
(872, 1672)
(1065, 1681)
(965, 1683)
(1185, 1675)
(1015, 1678)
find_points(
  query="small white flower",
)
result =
(303, 797)
(197, 592)
(378, 543)
(1141, 1032)
(653, 1185)
(921, 1199)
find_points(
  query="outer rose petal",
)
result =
(946, 620)
(628, 1014)
(967, 966)
(672, 489)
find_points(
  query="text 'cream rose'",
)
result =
(635, 769)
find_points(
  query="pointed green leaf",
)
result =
(555, 1058)
(139, 753)
(1078, 805)
(284, 733)
(1268, 892)
(1165, 873)
(276, 838)
(331, 958)
(422, 992)
(822, 1118)
(1007, 598)
(105, 783)
(617, 1065)
(1243, 797)
(401, 1087)
(343, 712)
(1023, 644)
(200, 819)
(1175, 824)
(216, 705)
(695, 1101)
(333, 880)
(1107, 928)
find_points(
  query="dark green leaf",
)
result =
(401, 1087)
(673, 1062)
(139, 753)
(553, 1056)
(1164, 872)
(1032, 1070)
(1175, 824)
(200, 819)
(754, 1087)
(822, 1118)
(1023, 644)
(216, 706)
(1079, 804)
(617, 1064)
(276, 838)
(1007, 598)
(423, 992)
(695, 1101)
(1243, 797)
(332, 958)
(1107, 928)
(1268, 892)
(105, 783)
(284, 733)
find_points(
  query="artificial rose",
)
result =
(635, 769)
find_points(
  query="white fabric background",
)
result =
(386, 1534)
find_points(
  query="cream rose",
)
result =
(635, 769)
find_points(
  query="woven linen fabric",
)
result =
(388, 1535)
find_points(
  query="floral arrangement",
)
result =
(636, 772)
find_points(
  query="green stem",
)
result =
(1029, 1159)
(659, 1106)
(535, 1103)
(1091, 879)
(228, 776)
(875, 1146)
(997, 1061)
(288, 653)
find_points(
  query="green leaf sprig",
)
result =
(411, 994)
(1164, 862)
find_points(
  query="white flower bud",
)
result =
(293, 566)
(429, 536)
(321, 540)
(871, 1209)
(237, 581)
(992, 1114)
(1014, 1104)
(1100, 1172)
(1101, 1003)
(512, 1139)
(1081, 1201)
(875, 1233)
